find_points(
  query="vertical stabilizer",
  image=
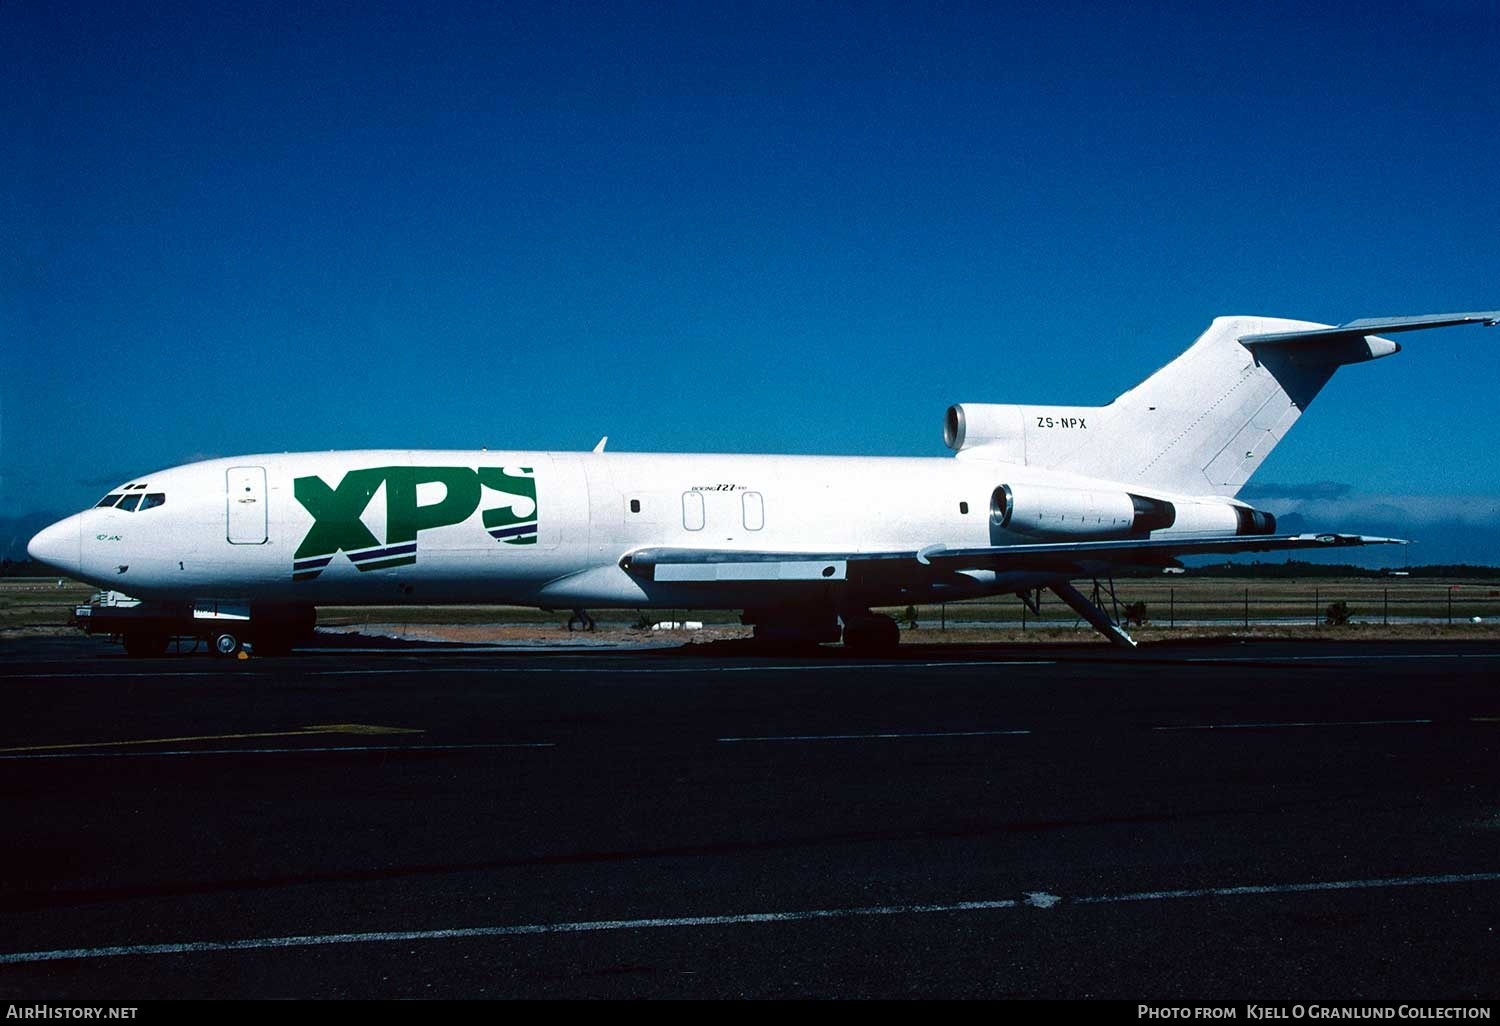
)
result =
(1201, 425)
(1206, 421)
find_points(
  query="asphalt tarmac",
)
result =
(1251, 821)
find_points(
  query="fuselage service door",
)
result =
(246, 504)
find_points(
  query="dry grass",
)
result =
(31, 606)
(1177, 601)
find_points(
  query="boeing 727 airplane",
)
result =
(242, 550)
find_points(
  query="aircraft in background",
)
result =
(1035, 497)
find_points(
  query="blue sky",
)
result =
(702, 227)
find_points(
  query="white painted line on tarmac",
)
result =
(491, 649)
(594, 670)
(122, 673)
(878, 737)
(1276, 726)
(307, 731)
(1447, 879)
(1377, 656)
(314, 940)
(278, 751)
(658, 671)
(1036, 900)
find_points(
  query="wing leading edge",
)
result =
(1065, 559)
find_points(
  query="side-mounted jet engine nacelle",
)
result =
(1016, 434)
(1046, 511)
(1220, 518)
(996, 426)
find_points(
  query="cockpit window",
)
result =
(134, 501)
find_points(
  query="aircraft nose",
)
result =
(60, 545)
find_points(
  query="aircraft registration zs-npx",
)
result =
(242, 550)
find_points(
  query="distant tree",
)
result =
(1464, 570)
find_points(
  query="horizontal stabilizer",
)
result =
(1373, 326)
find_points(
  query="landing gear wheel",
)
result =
(276, 644)
(872, 635)
(792, 630)
(145, 645)
(226, 644)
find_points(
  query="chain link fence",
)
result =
(1179, 602)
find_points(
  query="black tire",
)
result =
(873, 635)
(145, 644)
(273, 644)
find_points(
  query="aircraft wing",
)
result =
(1374, 326)
(1066, 559)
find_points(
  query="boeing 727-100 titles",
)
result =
(243, 549)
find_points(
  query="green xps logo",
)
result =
(510, 518)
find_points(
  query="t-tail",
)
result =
(1205, 422)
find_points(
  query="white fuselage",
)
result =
(544, 529)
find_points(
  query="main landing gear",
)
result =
(870, 633)
(1091, 609)
(863, 632)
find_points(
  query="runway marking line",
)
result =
(1371, 656)
(121, 673)
(281, 751)
(324, 728)
(1040, 901)
(605, 671)
(1315, 723)
(592, 670)
(878, 737)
